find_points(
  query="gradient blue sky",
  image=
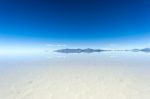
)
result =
(74, 20)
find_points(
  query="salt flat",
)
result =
(76, 76)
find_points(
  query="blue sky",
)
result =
(76, 21)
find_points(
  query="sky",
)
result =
(78, 21)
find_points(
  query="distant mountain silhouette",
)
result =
(89, 50)
(135, 50)
(145, 50)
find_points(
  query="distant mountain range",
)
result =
(90, 50)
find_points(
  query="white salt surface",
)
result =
(76, 76)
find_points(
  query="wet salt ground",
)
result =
(76, 76)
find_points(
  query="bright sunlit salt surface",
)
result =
(106, 75)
